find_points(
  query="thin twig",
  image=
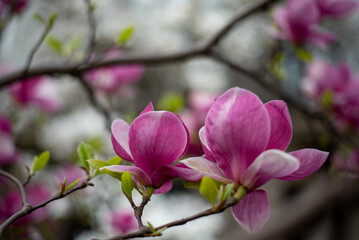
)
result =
(37, 45)
(29, 209)
(92, 97)
(92, 30)
(146, 232)
(19, 185)
(197, 51)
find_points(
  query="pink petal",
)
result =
(167, 172)
(310, 161)
(157, 139)
(270, 164)
(320, 38)
(138, 173)
(164, 188)
(339, 8)
(206, 168)
(253, 211)
(119, 138)
(281, 125)
(148, 108)
(237, 130)
(204, 143)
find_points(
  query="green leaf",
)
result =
(190, 184)
(72, 184)
(303, 54)
(38, 18)
(115, 160)
(228, 191)
(54, 44)
(52, 19)
(85, 152)
(116, 175)
(127, 184)
(151, 227)
(97, 164)
(40, 161)
(125, 35)
(209, 189)
(171, 102)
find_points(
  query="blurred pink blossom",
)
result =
(12, 202)
(16, 6)
(336, 8)
(8, 153)
(123, 221)
(297, 21)
(72, 172)
(37, 91)
(112, 78)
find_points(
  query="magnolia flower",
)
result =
(16, 6)
(152, 143)
(296, 21)
(323, 76)
(8, 153)
(111, 79)
(37, 91)
(246, 139)
(340, 83)
(123, 221)
(336, 8)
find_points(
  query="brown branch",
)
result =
(146, 232)
(197, 51)
(92, 30)
(92, 98)
(19, 185)
(27, 209)
(37, 45)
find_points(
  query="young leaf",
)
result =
(52, 18)
(72, 184)
(115, 160)
(127, 184)
(125, 35)
(116, 175)
(54, 44)
(40, 161)
(208, 189)
(85, 152)
(190, 184)
(38, 18)
(63, 186)
(303, 54)
(228, 191)
(97, 164)
(171, 102)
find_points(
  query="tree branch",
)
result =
(197, 51)
(26, 210)
(92, 30)
(19, 185)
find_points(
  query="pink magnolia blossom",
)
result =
(297, 23)
(153, 141)
(8, 153)
(11, 203)
(336, 8)
(246, 139)
(323, 76)
(123, 221)
(71, 172)
(111, 79)
(38, 91)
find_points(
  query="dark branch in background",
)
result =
(146, 232)
(19, 185)
(27, 209)
(92, 30)
(37, 45)
(92, 97)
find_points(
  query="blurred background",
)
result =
(55, 112)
